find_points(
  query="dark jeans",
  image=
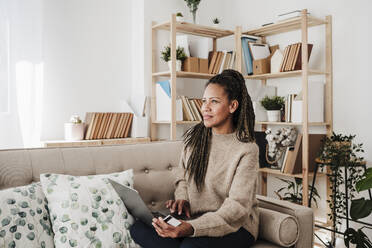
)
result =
(147, 237)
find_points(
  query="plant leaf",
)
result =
(365, 183)
(360, 208)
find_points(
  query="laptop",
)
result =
(136, 206)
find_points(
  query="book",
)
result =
(291, 161)
(212, 62)
(128, 125)
(224, 54)
(285, 57)
(111, 125)
(298, 47)
(218, 62)
(298, 64)
(109, 118)
(97, 126)
(247, 57)
(290, 58)
(116, 125)
(195, 110)
(89, 120)
(119, 124)
(282, 168)
(315, 142)
(122, 125)
(188, 104)
(102, 127)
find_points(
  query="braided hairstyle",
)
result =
(198, 137)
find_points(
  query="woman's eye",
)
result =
(214, 101)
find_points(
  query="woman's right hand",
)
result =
(179, 206)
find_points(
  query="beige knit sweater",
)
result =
(228, 200)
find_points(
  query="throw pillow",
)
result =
(86, 211)
(24, 218)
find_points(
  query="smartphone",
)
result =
(171, 221)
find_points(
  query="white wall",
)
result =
(87, 58)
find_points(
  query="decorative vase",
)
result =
(178, 65)
(74, 131)
(194, 17)
(179, 18)
(273, 115)
(216, 25)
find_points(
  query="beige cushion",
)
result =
(279, 228)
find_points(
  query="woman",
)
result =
(217, 177)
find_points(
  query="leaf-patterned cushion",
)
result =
(24, 218)
(87, 212)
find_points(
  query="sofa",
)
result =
(153, 165)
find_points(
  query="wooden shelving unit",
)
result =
(175, 27)
(277, 172)
(302, 24)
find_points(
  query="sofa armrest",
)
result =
(304, 216)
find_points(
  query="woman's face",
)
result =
(217, 110)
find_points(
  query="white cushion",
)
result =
(87, 212)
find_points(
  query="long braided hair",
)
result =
(198, 137)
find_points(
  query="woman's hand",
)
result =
(168, 231)
(179, 206)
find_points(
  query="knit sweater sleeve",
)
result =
(180, 182)
(237, 206)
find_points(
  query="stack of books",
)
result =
(191, 109)
(292, 59)
(220, 60)
(288, 107)
(107, 125)
(247, 53)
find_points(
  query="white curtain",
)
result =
(21, 124)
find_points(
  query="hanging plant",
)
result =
(340, 155)
(193, 6)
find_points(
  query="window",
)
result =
(4, 65)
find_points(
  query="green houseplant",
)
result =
(179, 17)
(193, 6)
(360, 208)
(180, 56)
(342, 157)
(293, 191)
(273, 106)
(216, 22)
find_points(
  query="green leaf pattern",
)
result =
(86, 210)
(24, 219)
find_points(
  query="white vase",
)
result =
(216, 25)
(179, 18)
(74, 131)
(178, 65)
(273, 115)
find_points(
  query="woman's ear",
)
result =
(233, 106)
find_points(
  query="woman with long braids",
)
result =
(217, 178)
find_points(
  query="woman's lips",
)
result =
(206, 117)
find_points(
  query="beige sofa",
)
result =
(153, 164)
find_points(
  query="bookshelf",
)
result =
(175, 27)
(302, 24)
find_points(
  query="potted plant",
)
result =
(273, 106)
(360, 208)
(342, 157)
(216, 22)
(193, 6)
(294, 191)
(180, 56)
(179, 17)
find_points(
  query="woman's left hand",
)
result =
(168, 231)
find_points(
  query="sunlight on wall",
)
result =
(29, 88)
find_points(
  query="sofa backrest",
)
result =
(153, 164)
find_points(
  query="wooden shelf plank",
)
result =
(284, 26)
(277, 172)
(184, 74)
(177, 122)
(291, 123)
(100, 142)
(286, 74)
(194, 29)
